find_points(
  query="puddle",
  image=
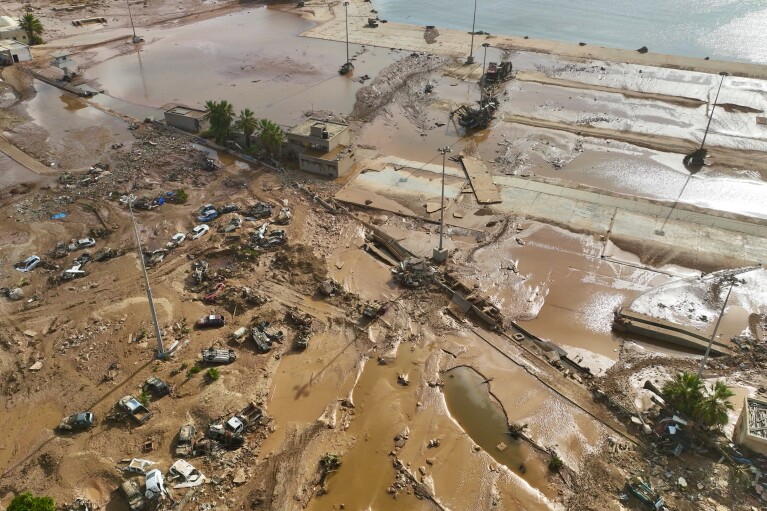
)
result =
(485, 422)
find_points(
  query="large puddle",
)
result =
(483, 419)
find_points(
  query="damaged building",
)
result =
(321, 147)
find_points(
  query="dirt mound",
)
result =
(302, 268)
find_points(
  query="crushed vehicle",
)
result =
(199, 271)
(234, 224)
(155, 485)
(28, 264)
(155, 257)
(104, 254)
(226, 438)
(302, 339)
(374, 309)
(644, 493)
(185, 442)
(199, 231)
(135, 410)
(137, 466)
(77, 422)
(81, 243)
(131, 492)
(211, 321)
(284, 217)
(246, 419)
(211, 297)
(229, 208)
(258, 211)
(76, 271)
(302, 319)
(210, 165)
(263, 338)
(218, 356)
(59, 251)
(329, 287)
(176, 240)
(157, 387)
(186, 474)
(207, 215)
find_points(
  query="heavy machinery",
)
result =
(479, 117)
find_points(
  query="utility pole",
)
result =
(716, 98)
(716, 327)
(470, 59)
(160, 349)
(440, 255)
(346, 9)
(135, 39)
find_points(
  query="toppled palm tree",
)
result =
(684, 392)
(712, 409)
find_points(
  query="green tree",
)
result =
(30, 24)
(712, 409)
(248, 124)
(684, 392)
(270, 135)
(220, 114)
(28, 502)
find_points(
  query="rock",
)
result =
(430, 461)
(422, 470)
(15, 294)
(30, 333)
(458, 214)
(682, 482)
(476, 448)
(643, 49)
(36, 366)
(239, 477)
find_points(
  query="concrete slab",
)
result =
(481, 181)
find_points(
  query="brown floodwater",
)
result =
(485, 421)
(253, 58)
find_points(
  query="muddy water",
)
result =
(252, 58)
(12, 173)
(17, 424)
(484, 420)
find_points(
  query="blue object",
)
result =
(58, 216)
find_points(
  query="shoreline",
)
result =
(456, 43)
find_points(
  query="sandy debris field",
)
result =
(496, 381)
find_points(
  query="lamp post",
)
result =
(440, 254)
(346, 9)
(716, 327)
(470, 58)
(135, 39)
(713, 107)
(160, 349)
(484, 60)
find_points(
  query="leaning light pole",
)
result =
(716, 328)
(439, 255)
(135, 39)
(160, 349)
(470, 58)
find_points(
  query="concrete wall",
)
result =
(185, 123)
(741, 436)
(330, 168)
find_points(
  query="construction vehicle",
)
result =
(372, 23)
(477, 118)
(498, 72)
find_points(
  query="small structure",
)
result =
(62, 59)
(13, 51)
(10, 29)
(751, 428)
(321, 146)
(186, 118)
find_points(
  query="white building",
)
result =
(10, 29)
(13, 51)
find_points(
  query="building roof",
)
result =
(304, 129)
(8, 22)
(10, 44)
(333, 155)
(187, 112)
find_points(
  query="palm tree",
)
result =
(220, 114)
(270, 135)
(684, 392)
(32, 26)
(247, 123)
(712, 409)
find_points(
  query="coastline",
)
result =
(456, 43)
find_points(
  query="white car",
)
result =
(199, 231)
(188, 476)
(176, 240)
(155, 485)
(81, 243)
(28, 264)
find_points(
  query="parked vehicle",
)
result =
(218, 356)
(81, 243)
(134, 409)
(176, 240)
(77, 422)
(199, 231)
(131, 492)
(185, 442)
(28, 264)
(208, 215)
(157, 387)
(211, 321)
(229, 208)
(155, 484)
(234, 224)
(228, 439)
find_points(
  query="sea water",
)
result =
(719, 29)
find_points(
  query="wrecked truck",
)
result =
(134, 409)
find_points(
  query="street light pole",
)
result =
(713, 107)
(716, 328)
(440, 254)
(470, 58)
(136, 38)
(484, 61)
(160, 349)
(346, 8)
